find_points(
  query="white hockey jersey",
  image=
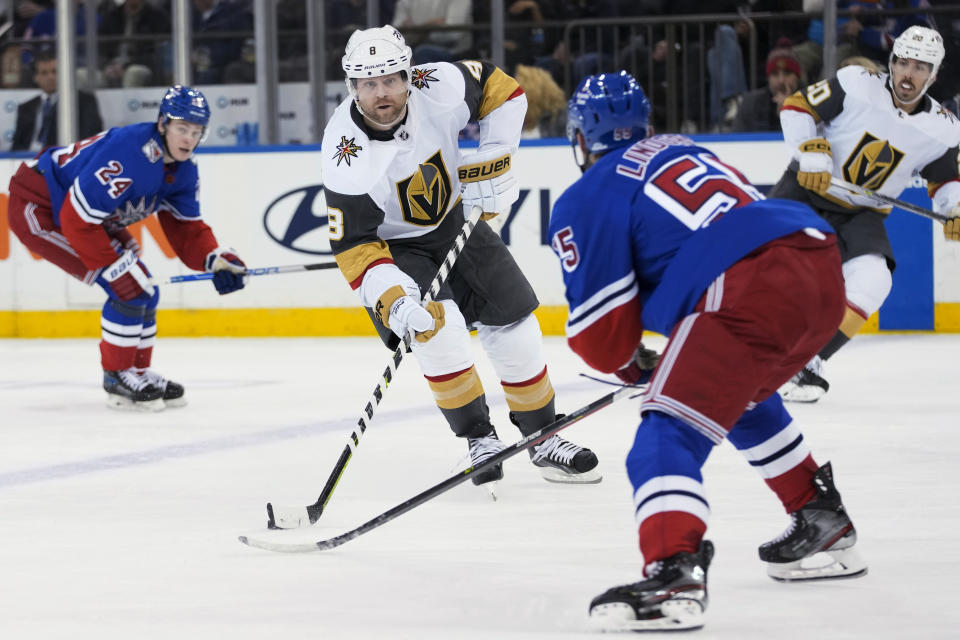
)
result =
(402, 183)
(875, 144)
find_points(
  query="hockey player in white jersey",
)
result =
(879, 131)
(393, 174)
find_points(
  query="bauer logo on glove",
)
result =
(484, 170)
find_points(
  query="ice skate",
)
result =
(819, 542)
(560, 460)
(480, 449)
(808, 385)
(127, 391)
(672, 598)
(172, 391)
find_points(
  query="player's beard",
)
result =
(385, 117)
(912, 94)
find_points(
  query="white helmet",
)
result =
(378, 51)
(919, 43)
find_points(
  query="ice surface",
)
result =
(117, 525)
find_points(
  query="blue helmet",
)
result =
(610, 110)
(184, 103)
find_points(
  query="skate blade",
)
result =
(791, 392)
(678, 615)
(120, 403)
(828, 565)
(175, 403)
(552, 474)
(492, 487)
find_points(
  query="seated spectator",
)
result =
(759, 109)
(36, 126)
(437, 46)
(546, 115)
(24, 12)
(134, 63)
(212, 55)
(43, 26)
(863, 33)
(11, 68)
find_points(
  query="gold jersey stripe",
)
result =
(457, 392)
(798, 102)
(851, 323)
(530, 397)
(496, 90)
(355, 261)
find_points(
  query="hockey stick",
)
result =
(259, 271)
(511, 450)
(870, 193)
(281, 517)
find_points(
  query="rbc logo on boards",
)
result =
(298, 219)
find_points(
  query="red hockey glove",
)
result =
(128, 277)
(641, 366)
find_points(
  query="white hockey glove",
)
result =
(951, 228)
(816, 165)
(487, 182)
(404, 314)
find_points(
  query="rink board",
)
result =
(268, 204)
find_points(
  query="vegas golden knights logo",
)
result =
(871, 162)
(425, 196)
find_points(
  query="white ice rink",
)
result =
(116, 525)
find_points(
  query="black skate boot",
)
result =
(673, 597)
(562, 461)
(172, 391)
(821, 525)
(129, 392)
(808, 385)
(482, 448)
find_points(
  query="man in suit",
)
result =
(37, 118)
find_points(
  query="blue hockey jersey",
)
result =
(119, 175)
(643, 233)
(106, 182)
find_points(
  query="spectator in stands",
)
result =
(43, 26)
(522, 44)
(728, 79)
(863, 33)
(546, 115)
(434, 45)
(759, 109)
(134, 62)
(212, 55)
(36, 126)
(11, 68)
(25, 11)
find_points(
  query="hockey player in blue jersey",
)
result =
(660, 234)
(71, 205)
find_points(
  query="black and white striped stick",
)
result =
(281, 517)
(425, 496)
